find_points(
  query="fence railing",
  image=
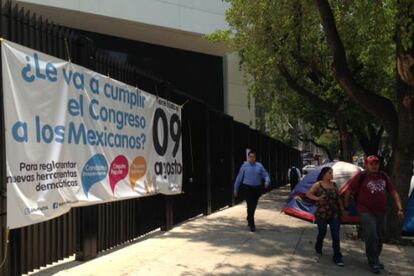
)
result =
(213, 149)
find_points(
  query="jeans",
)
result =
(334, 225)
(252, 195)
(373, 232)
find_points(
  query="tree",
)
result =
(300, 68)
(336, 54)
(291, 119)
(396, 116)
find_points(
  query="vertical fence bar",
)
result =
(13, 23)
(207, 210)
(4, 23)
(169, 214)
(32, 31)
(87, 232)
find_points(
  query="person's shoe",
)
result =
(376, 269)
(381, 266)
(252, 228)
(340, 263)
(318, 253)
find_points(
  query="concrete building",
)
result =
(176, 24)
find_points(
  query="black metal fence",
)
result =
(213, 149)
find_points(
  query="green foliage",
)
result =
(405, 22)
(269, 33)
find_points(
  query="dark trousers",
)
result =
(334, 226)
(252, 195)
(293, 184)
(373, 234)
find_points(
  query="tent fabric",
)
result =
(408, 225)
(301, 207)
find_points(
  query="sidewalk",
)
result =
(221, 244)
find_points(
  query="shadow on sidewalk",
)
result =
(221, 244)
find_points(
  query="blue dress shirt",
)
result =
(251, 174)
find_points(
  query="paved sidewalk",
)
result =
(221, 244)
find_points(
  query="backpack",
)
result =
(293, 176)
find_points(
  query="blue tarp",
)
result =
(408, 225)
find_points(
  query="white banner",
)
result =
(75, 137)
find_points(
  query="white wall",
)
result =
(236, 93)
(197, 16)
(174, 23)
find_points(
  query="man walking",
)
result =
(294, 176)
(372, 187)
(249, 180)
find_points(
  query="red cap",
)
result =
(372, 159)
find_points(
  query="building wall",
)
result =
(179, 24)
(173, 23)
(236, 92)
(197, 16)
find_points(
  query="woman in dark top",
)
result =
(326, 195)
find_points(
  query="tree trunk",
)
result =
(402, 166)
(346, 139)
(370, 141)
(403, 156)
(403, 159)
(346, 146)
(380, 107)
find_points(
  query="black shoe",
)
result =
(318, 253)
(338, 260)
(376, 269)
(252, 228)
(381, 266)
(340, 263)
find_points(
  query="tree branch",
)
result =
(315, 100)
(332, 128)
(405, 57)
(315, 75)
(369, 141)
(380, 107)
(323, 147)
(330, 108)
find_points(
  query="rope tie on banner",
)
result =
(6, 245)
(184, 103)
(67, 50)
(156, 91)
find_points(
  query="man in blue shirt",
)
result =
(250, 179)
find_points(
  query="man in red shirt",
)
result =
(372, 187)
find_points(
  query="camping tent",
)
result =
(299, 206)
(408, 226)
